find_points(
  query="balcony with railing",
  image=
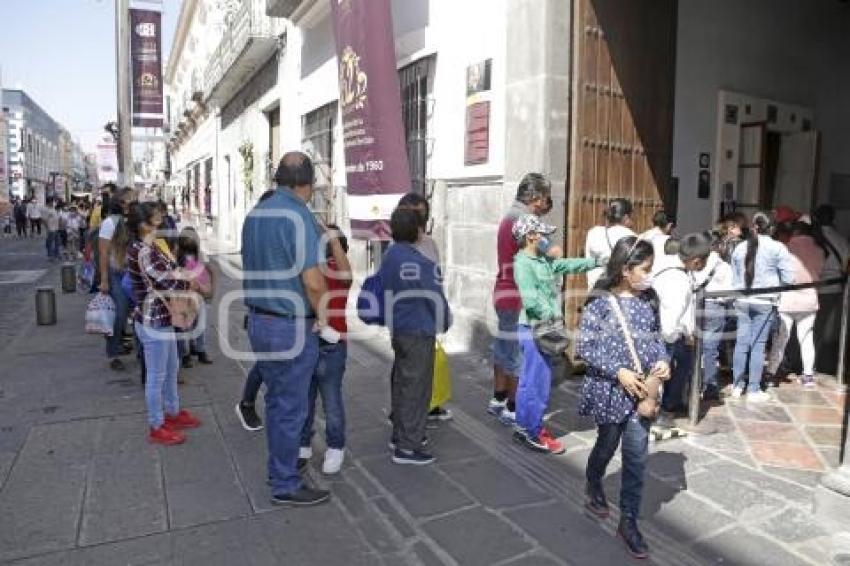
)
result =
(247, 42)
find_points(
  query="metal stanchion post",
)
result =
(842, 336)
(696, 376)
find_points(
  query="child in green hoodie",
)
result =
(536, 276)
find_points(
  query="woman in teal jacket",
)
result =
(536, 277)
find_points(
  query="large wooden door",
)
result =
(622, 112)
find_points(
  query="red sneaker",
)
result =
(183, 419)
(554, 445)
(165, 436)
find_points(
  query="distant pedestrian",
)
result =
(50, 217)
(417, 312)
(21, 218)
(34, 216)
(154, 277)
(620, 340)
(601, 240)
(280, 236)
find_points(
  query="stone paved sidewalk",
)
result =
(80, 485)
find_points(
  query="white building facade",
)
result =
(490, 90)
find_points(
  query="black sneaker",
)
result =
(596, 502)
(412, 457)
(632, 538)
(186, 362)
(711, 393)
(117, 365)
(204, 358)
(303, 497)
(439, 414)
(248, 416)
(530, 443)
(392, 443)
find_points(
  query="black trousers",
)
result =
(412, 381)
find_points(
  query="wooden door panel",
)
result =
(622, 118)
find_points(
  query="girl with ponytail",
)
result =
(758, 262)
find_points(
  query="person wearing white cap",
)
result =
(536, 276)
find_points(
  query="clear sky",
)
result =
(62, 53)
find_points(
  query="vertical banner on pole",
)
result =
(146, 65)
(377, 171)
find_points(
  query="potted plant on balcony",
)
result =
(246, 150)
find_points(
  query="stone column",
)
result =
(537, 92)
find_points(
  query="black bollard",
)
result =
(45, 306)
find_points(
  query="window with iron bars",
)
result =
(416, 105)
(317, 141)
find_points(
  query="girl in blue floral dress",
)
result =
(612, 386)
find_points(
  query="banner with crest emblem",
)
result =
(376, 166)
(146, 63)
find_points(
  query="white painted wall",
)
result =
(788, 50)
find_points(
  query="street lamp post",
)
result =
(125, 123)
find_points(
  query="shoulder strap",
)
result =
(627, 336)
(708, 279)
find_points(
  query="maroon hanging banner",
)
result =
(376, 166)
(146, 64)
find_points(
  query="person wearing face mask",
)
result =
(536, 277)
(620, 340)
(531, 198)
(602, 239)
(674, 285)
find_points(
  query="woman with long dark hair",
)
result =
(758, 262)
(154, 276)
(620, 340)
(601, 240)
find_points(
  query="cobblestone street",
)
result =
(79, 484)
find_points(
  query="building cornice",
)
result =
(187, 12)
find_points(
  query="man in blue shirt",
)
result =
(282, 259)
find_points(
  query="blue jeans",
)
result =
(160, 349)
(681, 366)
(327, 380)
(755, 324)
(115, 343)
(713, 325)
(635, 448)
(506, 349)
(52, 244)
(287, 386)
(185, 346)
(535, 384)
(252, 386)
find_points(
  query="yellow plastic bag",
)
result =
(442, 389)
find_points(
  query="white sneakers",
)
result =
(737, 392)
(333, 461)
(333, 458)
(758, 397)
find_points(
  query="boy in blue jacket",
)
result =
(416, 311)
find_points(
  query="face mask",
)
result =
(644, 284)
(543, 245)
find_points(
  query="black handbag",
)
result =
(551, 337)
